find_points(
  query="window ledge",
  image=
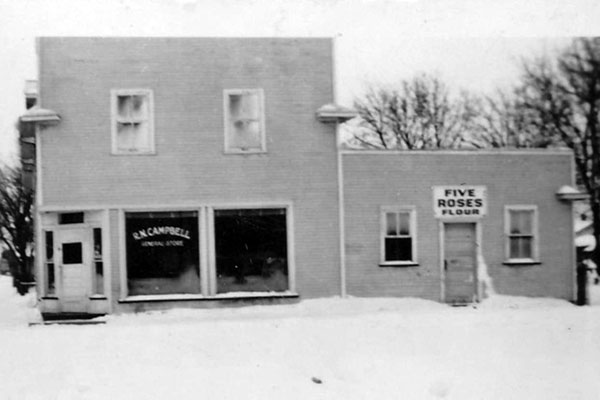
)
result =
(49, 297)
(199, 297)
(521, 262)
(242, 152)
(98, 297)
(133, 153)
(399, 264)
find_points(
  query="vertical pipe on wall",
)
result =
(341, 217)
(340, 177)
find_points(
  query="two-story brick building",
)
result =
(195, 172)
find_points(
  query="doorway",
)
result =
(460, 262)
(73, 247)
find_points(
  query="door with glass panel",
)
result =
(73, 247)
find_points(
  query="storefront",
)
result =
(203, 254)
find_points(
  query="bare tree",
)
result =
(16, 222)
(503, 120)
(556, 102)
(420, 114)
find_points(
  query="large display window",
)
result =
(162, 253)
(251, 250)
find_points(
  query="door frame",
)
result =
(442, 253)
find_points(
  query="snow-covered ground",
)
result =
(505, 348)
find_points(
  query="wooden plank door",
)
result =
(460, 263)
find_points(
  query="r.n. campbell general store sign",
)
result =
(459, 201)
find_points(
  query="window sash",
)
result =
(134, 110)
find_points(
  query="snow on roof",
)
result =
(335, 113)
(570, 193)
(42, 115)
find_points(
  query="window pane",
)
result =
(97, 242)
(521, 247)
(526, 222)
(514, 247)
(515, 223)
(70, 218)
(126, 136)
(404, 223)
(99, 278)
(72, 253)
(392, 224)
(521, 221)
(525, 247)
(124, 105)
(132, 107)
(398, 249)
(244, 106)
(49, 246)
(246, 134)
(139, 107)
(251, 250)
(142, 136)
(50, 285)
(162, 253)
(133, 136)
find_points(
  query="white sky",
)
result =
(472, 44)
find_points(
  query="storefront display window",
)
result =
(162, 253)
(251, 250)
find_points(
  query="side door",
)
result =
(73, 247)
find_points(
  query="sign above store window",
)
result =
(459, 201)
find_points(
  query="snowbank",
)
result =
(505, 347)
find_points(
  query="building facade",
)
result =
(195, 172)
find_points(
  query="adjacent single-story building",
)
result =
(195, 172)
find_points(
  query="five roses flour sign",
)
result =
(459, 201)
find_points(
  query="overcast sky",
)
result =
(471, 44)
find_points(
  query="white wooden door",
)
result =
(74, 260)
(460, 262)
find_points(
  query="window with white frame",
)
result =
(132, 121)
(398, 236)
(244, 121)
(521, 233)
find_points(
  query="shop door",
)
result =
(73, 249)
(460, 262)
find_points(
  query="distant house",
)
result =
(190, 172)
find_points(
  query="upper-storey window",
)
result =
(132, 121)
(244, 121)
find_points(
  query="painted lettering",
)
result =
(161, 230)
